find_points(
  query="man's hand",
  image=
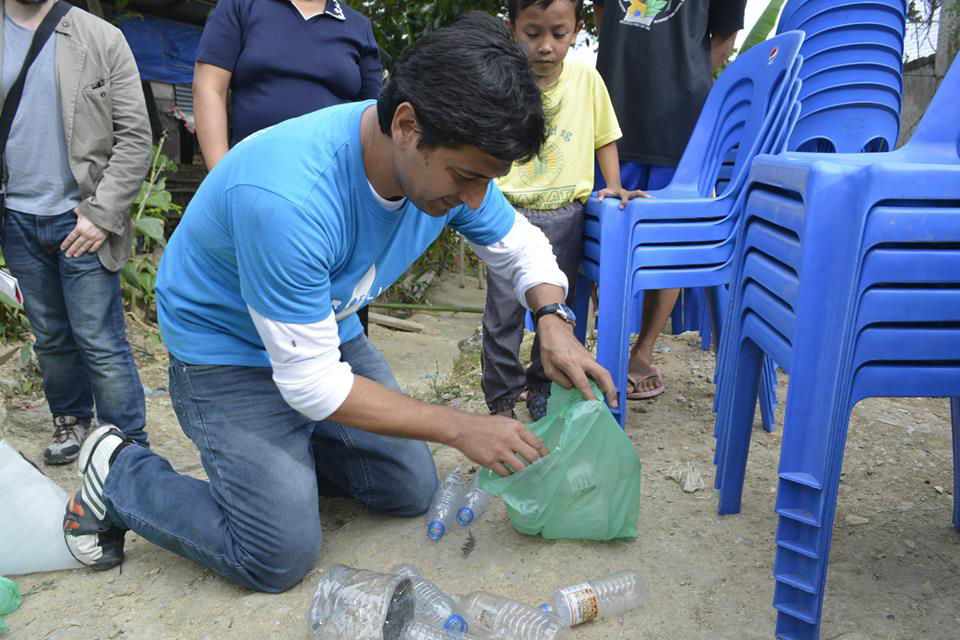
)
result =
(623, 194)
(568, 363)
(497, 443)
(86, 237)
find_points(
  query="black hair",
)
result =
(469, 84)
(513, 6)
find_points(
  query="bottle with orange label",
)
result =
(601, 598)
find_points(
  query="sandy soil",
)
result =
(894, 576)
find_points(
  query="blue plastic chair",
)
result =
(852, 73)
(796, 12)
(753, 97)
(816, 21)
(854, 257)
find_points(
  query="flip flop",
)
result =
(635, 382)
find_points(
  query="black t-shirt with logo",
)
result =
(655, 59)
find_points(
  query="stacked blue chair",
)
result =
(683, 236)
(852, 73)
(848, 274)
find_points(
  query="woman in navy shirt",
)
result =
(280, 59)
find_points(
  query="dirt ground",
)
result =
(895, 574)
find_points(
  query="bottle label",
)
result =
(581, 601)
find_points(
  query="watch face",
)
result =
(567, 313)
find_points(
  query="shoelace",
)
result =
(63, 431)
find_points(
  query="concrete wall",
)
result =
(922, 77)
(919, 84)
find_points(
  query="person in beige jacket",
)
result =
(78, 150)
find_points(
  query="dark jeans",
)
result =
(503, 376)
(256, 521)
(76, 313)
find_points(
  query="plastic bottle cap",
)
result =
(465, 516)
(456, 623)
(436, 529)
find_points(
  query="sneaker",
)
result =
(68, 433)
(91, 536)
(537, 405)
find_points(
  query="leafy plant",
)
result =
(150, 209)
(399, 23)
(764, 26)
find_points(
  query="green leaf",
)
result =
(25, 353)
(10, 302)
(764, 26)
(160, 199)
(129, 274)
(26, 386)
(151, 227)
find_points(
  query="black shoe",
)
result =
(537, 405)
(91, 536)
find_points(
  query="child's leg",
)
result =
(502, 374)
(564, 229)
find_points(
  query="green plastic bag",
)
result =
(588, 488)
(10, 599)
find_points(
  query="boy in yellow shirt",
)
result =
(551, 189)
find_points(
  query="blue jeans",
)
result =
(76, 313)
(256, 521)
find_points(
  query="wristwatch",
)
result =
(558, 308)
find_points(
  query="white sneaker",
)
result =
(91, 536)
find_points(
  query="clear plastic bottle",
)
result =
(417, 630)
(604, 597)
(444, 505)
(501, 617)
(474, 502)
(431, 605)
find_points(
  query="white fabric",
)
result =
(389, 205)
(524, 256)
(306, 364)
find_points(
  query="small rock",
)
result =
(938, 489)
(662, 349)
(927, 589)
(681, 398)
(855, 520)
(910, 544)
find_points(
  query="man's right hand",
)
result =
(498, 443)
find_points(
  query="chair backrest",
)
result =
(938, 133)
(797, 11)
(738, 112)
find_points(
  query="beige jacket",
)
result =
(106, 124)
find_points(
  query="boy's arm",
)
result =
(609, 163)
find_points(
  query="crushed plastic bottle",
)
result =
(431, 605)
(417, 630)
(604, 597)
(474, 503)
(500, 617)
(361, 605)
(444, 505)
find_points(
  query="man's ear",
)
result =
(405, 129)
(576, 29)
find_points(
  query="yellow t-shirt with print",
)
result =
(580, 121)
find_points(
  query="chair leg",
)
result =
(581, 306)
(955, 422)
(736, 410)
(768, 395)
(806, 506)
(613, 334)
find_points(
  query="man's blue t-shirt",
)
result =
(287, 223)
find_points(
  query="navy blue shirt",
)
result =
(284, 66)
